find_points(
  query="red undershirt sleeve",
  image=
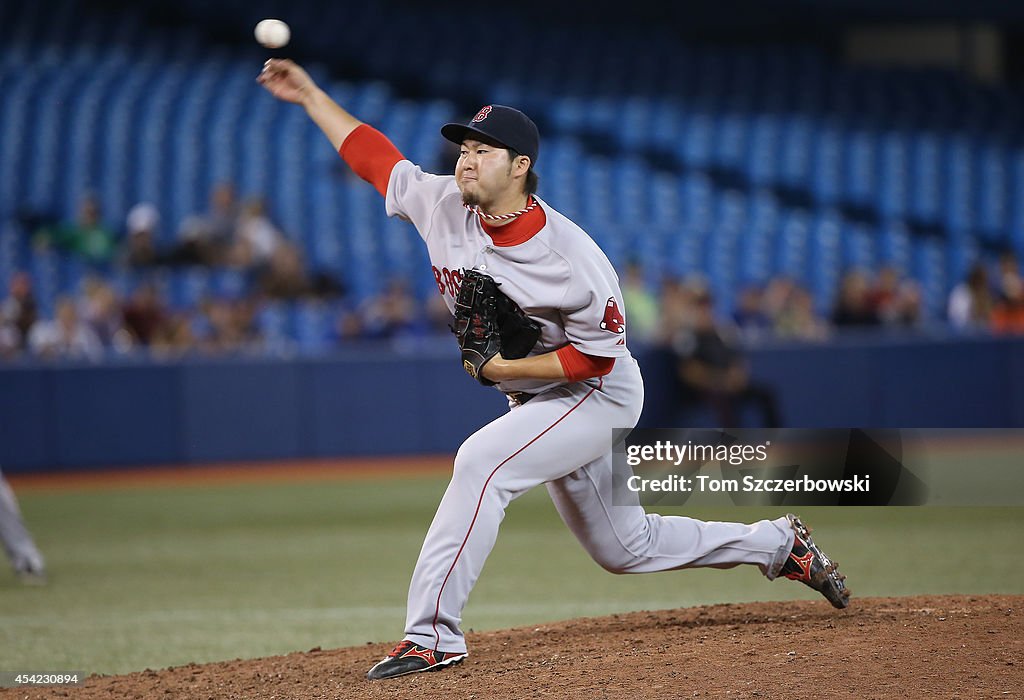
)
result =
(578, 366)
(371, 155)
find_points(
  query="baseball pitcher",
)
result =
(538, 314)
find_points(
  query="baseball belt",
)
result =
(519, 397)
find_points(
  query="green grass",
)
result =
(148, 578)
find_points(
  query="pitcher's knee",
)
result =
(477, 460)
(614, 561)
(622, 552)
(473, 458)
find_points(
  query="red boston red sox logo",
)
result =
(481, 115)
(613, 321)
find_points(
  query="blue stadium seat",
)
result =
(725, 161)
(962, 252)
(959, 175)
(223, 283)
(929, 268)
(824, 259)
(723, 266)
(992, 193)
(43, 268)
(1016, 204)
(731, 140)
(792, 246)
(764, 150)
(894, 175)
(314, 326)
(858, 247)
(698, 201)
(827, 164)
(188, 286)
(795, 165)
(666, 207)
(926, 177)
(9, 257)
(273, 319)
(695, 147)
(894, 245)
(859, 180)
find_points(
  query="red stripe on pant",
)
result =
(437, 608)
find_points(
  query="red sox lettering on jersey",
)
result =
(448, 281)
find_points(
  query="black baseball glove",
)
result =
(487, 323)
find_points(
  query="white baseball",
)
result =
(273, 33)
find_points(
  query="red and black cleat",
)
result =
(808, 564)
(409, 657)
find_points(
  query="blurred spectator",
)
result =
(908, 307)
(101, 311)
(10, 341)
(285, 275)
(139, 248)
(970, 302)
(230, 326)
(1008, 308)
(882, 297)
(256, 239)
(749, 316)
(144, 313)
(776, 297)
(641, 305)
(206, 239)
(66, 336)
(677, 308)
(349, 324)
(174, 337)
(896, 301)
(19, 311)
(392, 313)
(325, 285)
(1009, 281)
(711, 369)
(798, 319)
(853, 307)
(1008, 313)
(86, 236)
(439, 318)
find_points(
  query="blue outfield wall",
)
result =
(374, 402)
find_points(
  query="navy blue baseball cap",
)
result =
(507, 126)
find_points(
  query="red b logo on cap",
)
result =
(481, 115)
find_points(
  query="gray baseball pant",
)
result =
(563, 438)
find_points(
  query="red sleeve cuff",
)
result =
(578, 366)
(371, 155)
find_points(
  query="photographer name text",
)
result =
(704, 483)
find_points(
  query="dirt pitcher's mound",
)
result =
(942, 647)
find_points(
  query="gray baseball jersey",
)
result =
(559, 277)
(561, 437)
